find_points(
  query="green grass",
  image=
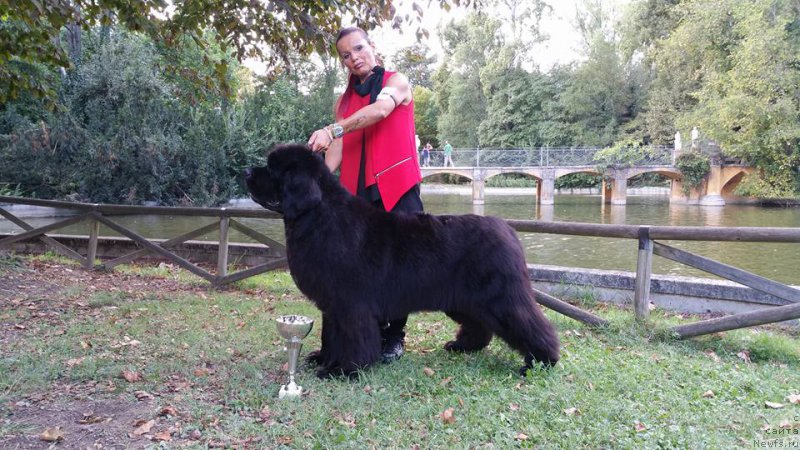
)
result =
(10, 262)
(625, 386)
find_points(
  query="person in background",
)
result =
(448, 154)
(373, 144)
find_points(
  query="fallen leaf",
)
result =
(86, 345)
(428, 371)
(165, 435)
(514, 407)
(143, 427)
(200, 372)
(572, 411)
(265, 414)
(639, 426)
(285, 440)
(708, 394)
(131, 376)
(744, 356)
(794, 399)
(89, 418)
(143, 395)
(712, 355)
(773, 405)
(19, 327)
(168, 411)
(367, 389)
(461, 402)
(52, 434)
(448, 416)
(75, 361)
(195, 435)
(521, 437)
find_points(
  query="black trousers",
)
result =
(410, 203)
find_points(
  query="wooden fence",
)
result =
(646, 236)
(96, 214)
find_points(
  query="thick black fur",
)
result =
(362, 267)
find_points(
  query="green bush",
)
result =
(625, 153)
(511, 180)
(127, 132)
(694, 167)
(578, 180)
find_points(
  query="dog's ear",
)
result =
(301, 192)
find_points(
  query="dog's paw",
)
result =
(456, 347)
(314, 357)
(323, 373)
(336, 372)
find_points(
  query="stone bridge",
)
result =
(547, 165)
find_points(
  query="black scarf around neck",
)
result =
(372, 85)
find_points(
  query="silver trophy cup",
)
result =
(293, 329)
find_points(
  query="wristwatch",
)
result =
(338, 130)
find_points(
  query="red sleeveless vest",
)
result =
(391, 153)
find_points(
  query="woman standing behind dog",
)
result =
(372, 142)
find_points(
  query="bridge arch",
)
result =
(529, 173)
(671, 173)
(731, 180)
(466, 173)
(569, 171)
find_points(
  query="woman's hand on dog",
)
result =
(320, 140)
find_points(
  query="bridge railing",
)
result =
(542, 157)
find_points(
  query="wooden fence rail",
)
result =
(96, 214)
(646, 236)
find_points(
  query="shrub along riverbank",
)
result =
(147, 354)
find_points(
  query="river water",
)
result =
(779, 261)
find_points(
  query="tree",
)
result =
(425, 115)
(415, 63)
(468, 46)
(127, 131)
(30, 32)
(748, 99)
(514, 111)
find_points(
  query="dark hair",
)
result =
(345, 31)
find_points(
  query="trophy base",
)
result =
(290, 390)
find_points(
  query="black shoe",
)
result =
(392, 350)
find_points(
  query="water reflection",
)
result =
(545, 213)
(777, 261)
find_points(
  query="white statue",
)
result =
(678, 144)
(695, 136)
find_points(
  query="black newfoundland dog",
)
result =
(363, 267)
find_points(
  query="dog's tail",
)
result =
(521, 322)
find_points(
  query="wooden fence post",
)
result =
(222, 256)
(91, 250)
(644, 269)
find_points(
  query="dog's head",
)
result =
(290, 182)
